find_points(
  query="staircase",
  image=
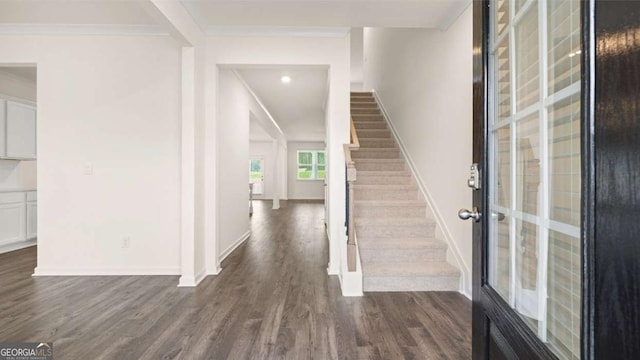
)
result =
(395, 232)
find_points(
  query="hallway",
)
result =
(273, 299)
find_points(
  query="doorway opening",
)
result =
(256, 175)
(18, 158)
(274, 119)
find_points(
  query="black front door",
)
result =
(557, 145)
(527, 259)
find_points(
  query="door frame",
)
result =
(610, 136)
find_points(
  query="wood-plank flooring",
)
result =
(273, 300)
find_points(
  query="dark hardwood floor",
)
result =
(272, 300)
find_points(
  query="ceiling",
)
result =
(226, 17)
(219, 16)
(297, 107)
(69, 12)
(96, 17)
(28, 73)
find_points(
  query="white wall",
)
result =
(423, 78)
(302, 189)
(233, 157)
(332, 52)
(113, 102)
(17, 174)
(357, 58)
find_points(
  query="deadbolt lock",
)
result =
(474, 177)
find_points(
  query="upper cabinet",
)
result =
(17, 130)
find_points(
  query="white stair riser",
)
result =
(379, 194)
(402, 255)
(411, 283)
(406, 231)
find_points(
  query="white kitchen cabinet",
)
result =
(32, 215)
(13, 217)
(18, 219)
(20, 131)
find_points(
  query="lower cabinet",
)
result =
(13, 217)
(18, 218)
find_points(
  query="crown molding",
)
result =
(80, 30)
(277, 31)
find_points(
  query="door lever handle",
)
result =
(474, 214)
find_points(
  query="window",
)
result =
(535, 140)
(311, 165)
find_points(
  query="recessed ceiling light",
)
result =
(285, 79)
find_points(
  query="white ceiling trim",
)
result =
(255, 97)
(83, 30)
(277, 31)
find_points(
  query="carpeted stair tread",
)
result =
(400, 243)
(385, 187)
(384, 173)
(367, 221)
(428, 268)
(386, 203)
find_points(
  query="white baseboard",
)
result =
(351, 284)
(465, 285)
(192, 281)
(332, 269)
(187, 281)
(200, 276)
(215, 271)
(150, 271)
(235, 245)
(17, 246)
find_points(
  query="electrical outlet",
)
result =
(126, 242)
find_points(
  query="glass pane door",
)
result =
(256, 175)
(534, 242)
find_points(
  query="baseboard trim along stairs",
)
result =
(394, 227)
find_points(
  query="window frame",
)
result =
(314, 165)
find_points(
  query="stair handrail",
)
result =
(355, 142)
(350, 168)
